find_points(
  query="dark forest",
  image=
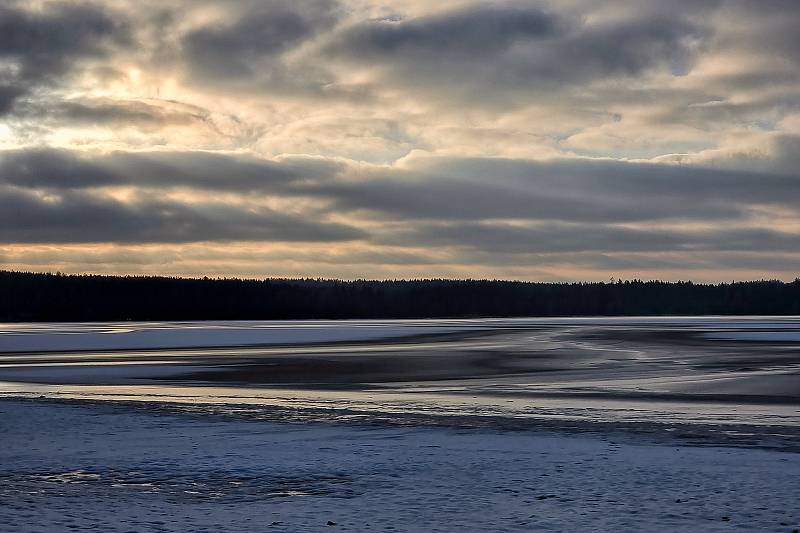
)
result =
(58, 297)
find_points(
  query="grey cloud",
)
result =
(44, 168)
(250, 47)
(568, 190)
(481, 30)
(508, 50)
(764, 262)
(449, 199)
(769, 26)
(8, 95)
(786, 158)
(110, 112)
(43, 44)
(700, 113)
(780, 157)
(72, 217)
(624, 48)
(207, 170)
(546, 238)
(624, 180)
(754, 92)
(61, 169)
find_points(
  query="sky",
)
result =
(552, 141)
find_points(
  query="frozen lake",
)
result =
(729, 378)
(629, 424)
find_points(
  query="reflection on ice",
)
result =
(736, 376)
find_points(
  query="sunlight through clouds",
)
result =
(533, 140)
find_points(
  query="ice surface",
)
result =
(144, 335)
(637, 370)
(111, 468)
(32, 337)
(759, 336)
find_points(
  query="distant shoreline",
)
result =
(41, 297)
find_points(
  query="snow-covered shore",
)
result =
(110, 467)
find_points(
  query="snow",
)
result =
(107, 467)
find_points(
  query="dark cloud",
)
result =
(459, 199)
(43, 168)
(118, 112)
(567, 190)
(63, 169)
(479, 31)
(501, 50)
(75, 217)
(216, 171)
(8, 95)
(250, 47)
(624, 48)
(43, 44)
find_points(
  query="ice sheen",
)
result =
(30, 337)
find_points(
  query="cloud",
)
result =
(767, 27)
(249, 50)
(40, 45)
(512, 52)
(63, 169)
(565, 190)
(114, 113)
(481, 30)
(560, 238)
(8, 95)
(77, 217)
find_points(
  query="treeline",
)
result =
(56, 297)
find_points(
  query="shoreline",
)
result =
(776, 437)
